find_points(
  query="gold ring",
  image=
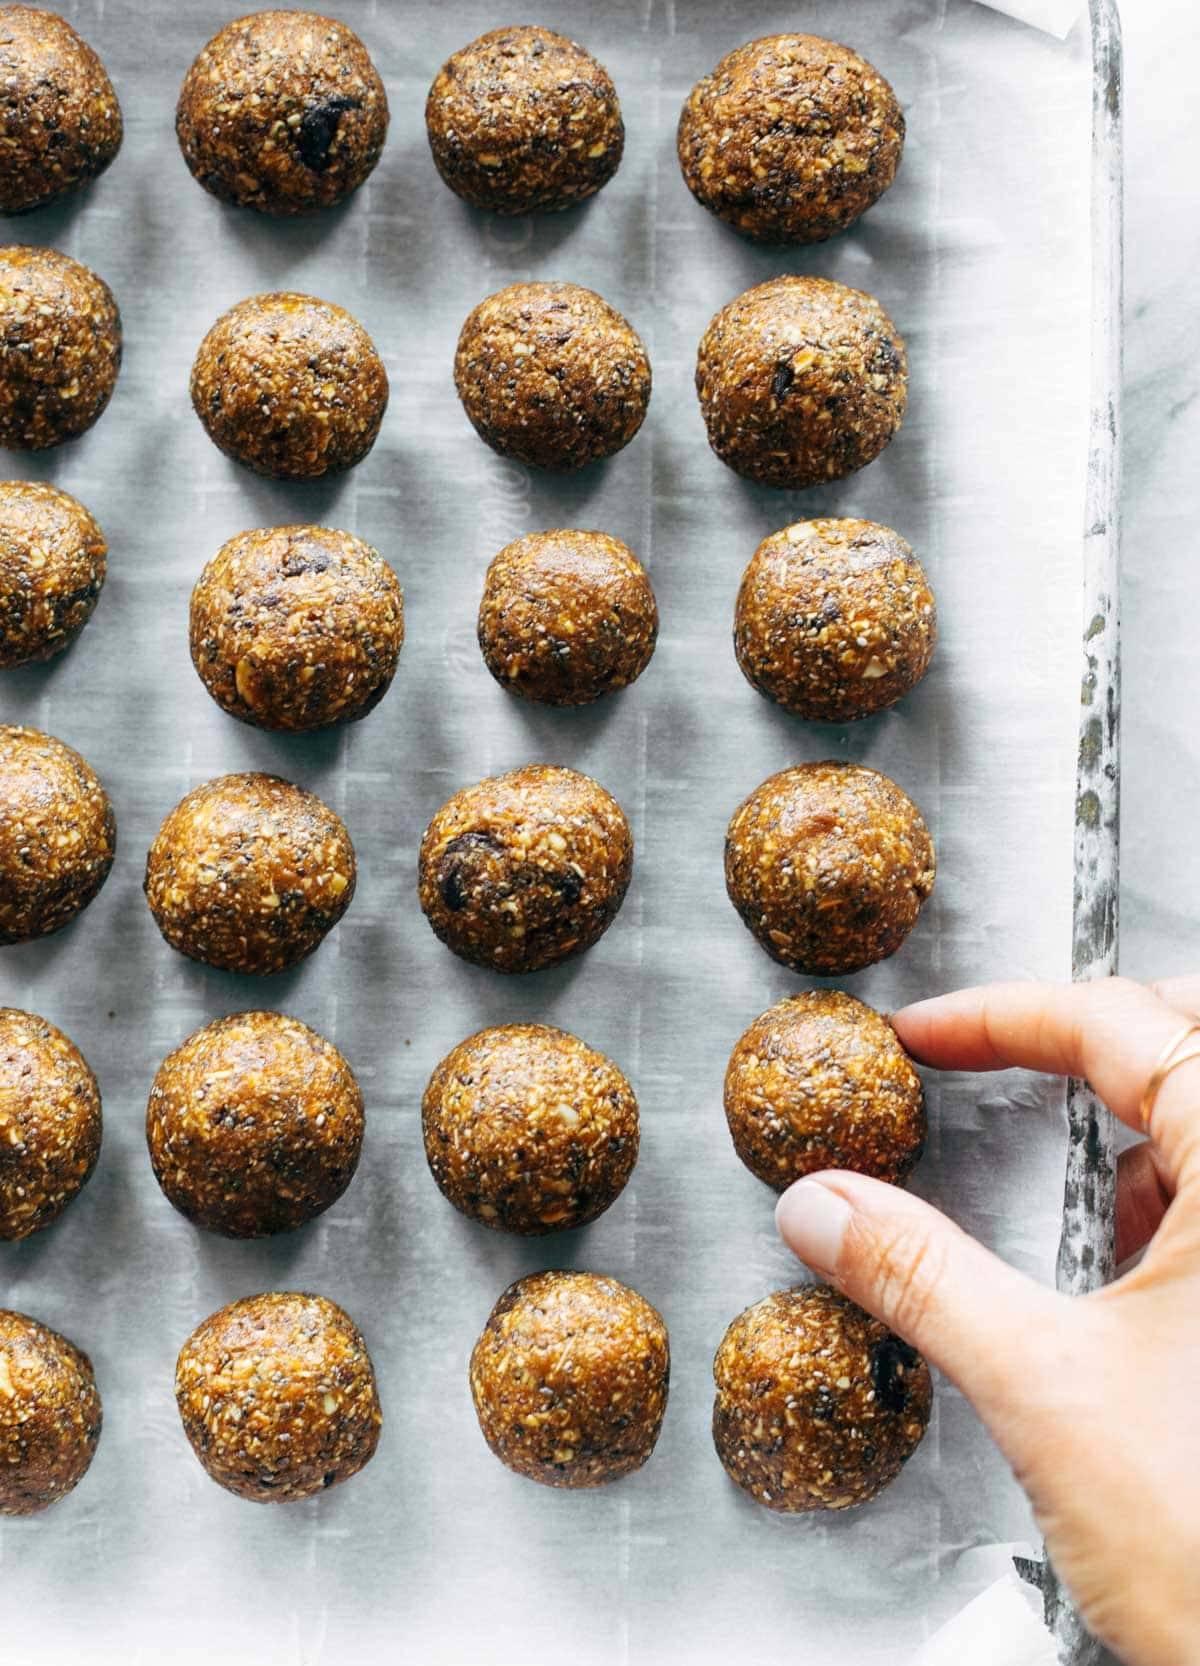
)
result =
(1168, 1060)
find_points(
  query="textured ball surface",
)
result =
(60, 121)
(50, 1123)
(58, 834)
(60, 348)
(53, 561)
(50, 1415)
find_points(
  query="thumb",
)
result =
(994, 1332)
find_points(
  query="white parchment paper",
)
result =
(436, 1553)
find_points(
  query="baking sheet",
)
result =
(436, 1553)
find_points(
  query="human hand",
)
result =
(1094, 1401)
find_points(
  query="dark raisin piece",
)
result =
(890, 1360)
(318, 129)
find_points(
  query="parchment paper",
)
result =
(436, 1553)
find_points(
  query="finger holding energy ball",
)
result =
(834, 620)
(254, 1125)
(53, 562)
(296, 627)
(790, 138)
(50, 1123)
(524, 120)
(60, 348)
(529, 1130)
(524, 870)
(551, 375)
(801, 381)
(570, 1379)
(283, 112)
(61, 122)
(249, 873)
(277, 1397)
(290, 386)
(58, 834)
(820, 1081)
(50, 1415)
(828, 865)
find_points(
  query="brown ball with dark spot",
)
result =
(820, 1081)
(790, 138)
(529, 1130)
(255, 1125)
(60, 122)
(828, 865)
(801, 381)
(297, 627)
(818, 1405)
(50, 1415)
(566, 617)
(523, 870)
(282, 111)
(249, 873)
(570, 1379)
(551, 375)
(524, 120)
(60, 348)
(835, 619)
(50, 1123)
(290, 386)
(53, 561)
(58, 834)
(277, 1397)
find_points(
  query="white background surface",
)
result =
(435, 1550)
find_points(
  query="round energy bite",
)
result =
(290, 386)
(529, 1130)
(277, 1396)
(828, 865)
(255, 1125)
(524, 119)
(835, 619)
(60, 348)
(58, 834)
(53, 561)
(297, 627)
(801, 381)
(525, 869)
(567, 616)
(551, 375)
(570, 1379)
(248, 873)
(820, 1081)
(818, 1405)
(60, 122)
(50, 1415)
(282, 111)
(50, 1123)
(790, 138)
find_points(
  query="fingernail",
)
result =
(812, 1222)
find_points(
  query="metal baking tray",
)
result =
(997, 252)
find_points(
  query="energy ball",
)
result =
(60, 125)
(58, 834)
(820, 1081)
(801, 381)
(529, 1130)
(570, 1379)
(835, 619)
(551, 375)
(525, 869)
(566, 617)
(60, 348)
(50, 1123)
(255, 1125)
(524, 119)
(290, 386)
(790, 138)
(53, 561)
(277, 1396)
(828, 865)
(248, 873)
(50, 1415)
(283, 112)
(818, 1406)
(297, 627)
